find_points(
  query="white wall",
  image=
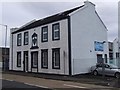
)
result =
(115, 50)
(86, 28)
(115, 47)
(62, 44)
(119, 23)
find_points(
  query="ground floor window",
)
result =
(34, 59)
(56, 58)
(117, 55)
(44, 58)
(105, 58)
(18, 59)
(111, 56)
(99, 58)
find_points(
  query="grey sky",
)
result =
(16, 14)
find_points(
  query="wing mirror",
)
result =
(110, 68)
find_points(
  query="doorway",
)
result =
(105, 57)
(25, 61)
(99, 58)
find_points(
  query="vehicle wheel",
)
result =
(95, 73)
(117, 75)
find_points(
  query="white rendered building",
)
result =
(67, 43)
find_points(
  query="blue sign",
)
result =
(98, 46)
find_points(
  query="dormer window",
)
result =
(34, 41)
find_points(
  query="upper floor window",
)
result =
(56, 31)
(26, 38)
(34, 40)
(44, 34)
(19, 39)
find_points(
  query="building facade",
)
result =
(116, 53)
(4, 58)
(111, 59)
(66, 43)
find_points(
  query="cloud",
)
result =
(16, 14)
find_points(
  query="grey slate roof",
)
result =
(50, 19)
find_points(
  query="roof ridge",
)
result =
(49, 19)
(62, 12)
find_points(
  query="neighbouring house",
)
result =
(67, 43)
(4, 58)
(111, 59)
(116, 53)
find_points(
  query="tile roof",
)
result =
(53, 18)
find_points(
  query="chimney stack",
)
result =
(88, 3)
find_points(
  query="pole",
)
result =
(103, 68)
(5, 48)
(6, 36)
(5, 54)
(103, 64)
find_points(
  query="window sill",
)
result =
(56, 68)
(34, 67)
(18, 66)
(25, 44)
(56, 39)
(44, 41)
(19, 45)
(44, 67)
(35, 47)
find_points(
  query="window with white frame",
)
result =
(34, 57)
(56, 58)
(44, 34)
(19, 39)
(25, 38)
(44, 58)
(56, 31)
(18, 59)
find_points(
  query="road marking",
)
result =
(73, 86)
(7, 79)
(36, 85)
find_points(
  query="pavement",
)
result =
(82, 82)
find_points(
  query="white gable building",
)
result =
(67, 43)
(116, 53)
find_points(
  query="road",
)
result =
(32, 82)
(10, 84)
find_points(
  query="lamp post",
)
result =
(103, 65)
(5, 46)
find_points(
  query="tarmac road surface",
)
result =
(10, 84)
(34, 82)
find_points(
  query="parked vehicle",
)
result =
(109, 70)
